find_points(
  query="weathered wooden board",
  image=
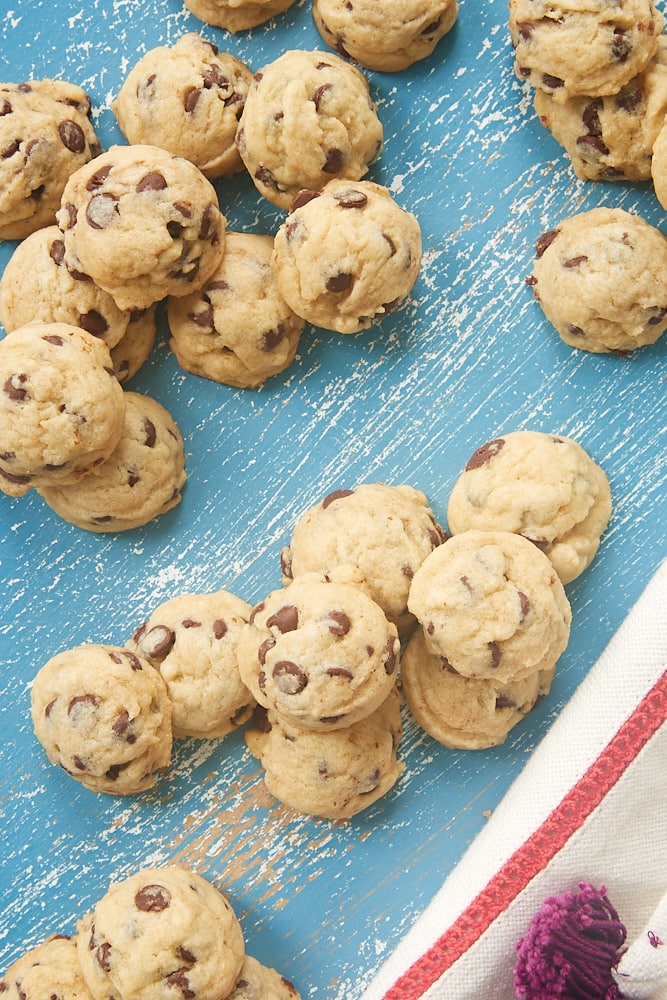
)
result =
(470, 356)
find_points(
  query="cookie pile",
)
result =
(157, 931)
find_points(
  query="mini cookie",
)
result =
(258, 982)
(389, 37)
(45, 135)
(308, 118)
(161, 933)
(192, 639)
(386, 531)
(134, 347)
(187, 99)
(61, 409)
(143, 224)
(141, 479)
(238, 329)
(51, 969)
(320, 653)
(572, 48)
(37, 285)
(236, 15)
(464, 713)
(103, 714)
(611, 138)
(346, 256)
(492, 604)
(542, 486)
(333, 775)
(601, 279)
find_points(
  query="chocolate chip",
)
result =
(339, 672)
(339, 282)
(504, 701)
(392, 245)
(152, 898)
(219, 628)
(593, 142)
(191, 98)
(339, 623)
(524, 603)
(335, 495)
(265, 177)
(13, 387)
(288, 677)
(319, 94)
(158, 641)
(93, 322)
(264, 649)
(57, 251)
(286, 562)
(484, 454)
(97, 179)
(389, 656)
(552, 82)
(573, 262)
(496, 654)
(150, 433)
(82, 699)
(351, 199)
(302, 198)
(103, 956)
(260, 719)
(203, 319)
(621, 47)
(122, 727)
(179, 979)
(102, 211)
(285, 619)
(545, 241)
(152, 181)
(629, 99)
(271, 338)
(71, 136)
(334, 162)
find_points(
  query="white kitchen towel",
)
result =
(589, 806)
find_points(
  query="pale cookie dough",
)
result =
(611, 138)
(659, 166)
(492, 604)
(61, 409)
(590, 47)
(542, 486)
(141, 479)
(386, 531)
(259, 982)
(192, 640)
(601, 279)
(388, 37)
(464, 713)
(332, 775)
(308, 118)
(143, 224)
(186, 98)
(135, 346)
(237, 15)
(37, 285)
(237, 329)
(49, 970)
(346, 256)
(320, 653)
(45, 135)
(159, 934)
(103, 714)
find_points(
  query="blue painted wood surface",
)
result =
(469, 357)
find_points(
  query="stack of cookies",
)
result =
(157, 931)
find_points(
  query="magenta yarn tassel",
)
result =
(570, 949)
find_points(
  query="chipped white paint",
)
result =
(468, 357)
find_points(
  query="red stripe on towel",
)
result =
(542, 845)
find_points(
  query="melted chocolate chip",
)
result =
(264, 649)
(71, 136)
(152, 898)
(158, 641)
(339, 623)
(97, 179)
(302, 198)
(484, 454)
(57, 251)
(496, 654)
(389, 657)
(335, 495)
(93, 322)
(191, 98)
(288, 677)
(219, 628)
(285, 619)
(13, 388)
(545, 241)
(102, 210)
(150, 433)
(271, 338)
(339, 282)
(334, 162)
(152, 181)
(351, 199)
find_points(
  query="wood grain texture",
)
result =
(468, 357)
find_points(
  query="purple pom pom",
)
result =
(570, 949)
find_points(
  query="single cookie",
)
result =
(542, 486)
(389, 37)
(385, 531)
(103, 714)
(236, 15)
(186, 98)
(259, 982)
(161, 933)
(320, 653)
(601, 279)
(492, 605)
(141, 479)
(37, 285)
(237, 329)
(346, 256)
(143, 224)
(464, 713)
(45, 135)
(308, 118)
(611, 138)
(61, 409)
(582, 47)
(135, 346)
(51, 969)
(332, 775)
(192, 640)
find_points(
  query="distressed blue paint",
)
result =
(469, 357)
